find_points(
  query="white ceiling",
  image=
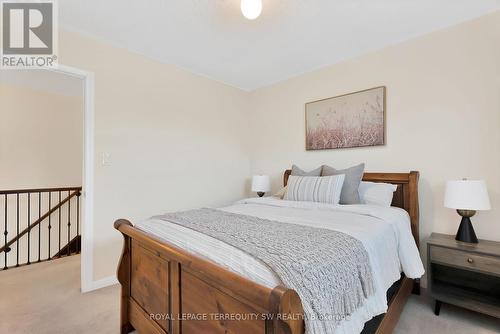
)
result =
(212, 38)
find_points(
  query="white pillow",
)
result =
(324, 189)
(376, 193)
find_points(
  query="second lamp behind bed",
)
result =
(261, 184)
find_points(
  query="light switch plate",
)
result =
(106, 159)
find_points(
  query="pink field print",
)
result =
(351, 120)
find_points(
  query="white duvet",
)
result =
(384, 232)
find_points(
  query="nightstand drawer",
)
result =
(483, 263)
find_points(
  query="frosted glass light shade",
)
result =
(467, 195)
(251, 9)
(261, 183)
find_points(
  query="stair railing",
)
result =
(37, 233)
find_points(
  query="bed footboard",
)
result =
(167, 290)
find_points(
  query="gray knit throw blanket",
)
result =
(330, 270)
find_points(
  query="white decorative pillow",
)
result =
(324, 189)
(376, 193)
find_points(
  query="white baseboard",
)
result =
(101, 283)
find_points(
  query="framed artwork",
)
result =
(350, 120)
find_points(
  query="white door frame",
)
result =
(87, 227)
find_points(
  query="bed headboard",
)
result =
(405, 197)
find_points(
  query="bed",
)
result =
(167, 288)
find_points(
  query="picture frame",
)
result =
(350, 120)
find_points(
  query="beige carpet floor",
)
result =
(45, 298)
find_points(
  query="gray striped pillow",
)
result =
(324, 189)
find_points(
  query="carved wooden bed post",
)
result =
(287, 302)
(123, 275)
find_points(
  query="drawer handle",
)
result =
(470, 260)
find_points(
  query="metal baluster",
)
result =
(59, 224)
(17, 218)
(69, 222)
(5, 235)
(78, 222)
(29, 226)
(39, 224)
(50, 224)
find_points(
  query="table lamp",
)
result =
(466, 196)
(261, 184)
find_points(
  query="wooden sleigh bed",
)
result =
(168, 290)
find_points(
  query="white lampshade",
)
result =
(261, 183)
(467, 195)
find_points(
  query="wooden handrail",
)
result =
(76, 192)
(40, 190)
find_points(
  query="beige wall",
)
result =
(443, 117)
(40, 138)
(176, 140)
(40, 147)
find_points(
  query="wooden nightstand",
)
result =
(462, 274)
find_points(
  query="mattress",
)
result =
(384, 232)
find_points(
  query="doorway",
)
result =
(64, 212)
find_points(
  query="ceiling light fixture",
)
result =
(251, 9)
